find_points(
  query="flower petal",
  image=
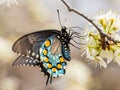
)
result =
(102, 62)
(107, 54)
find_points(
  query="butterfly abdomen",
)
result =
(66, 52)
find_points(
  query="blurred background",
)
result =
(33, 15)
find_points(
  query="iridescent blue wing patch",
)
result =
(52, 58)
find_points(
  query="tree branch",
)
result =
(102, 34)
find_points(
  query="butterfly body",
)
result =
(47, 49)
(65, 39)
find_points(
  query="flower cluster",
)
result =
(8, 2)
(109, 23)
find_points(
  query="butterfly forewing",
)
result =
(29, 44)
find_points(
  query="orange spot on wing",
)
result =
(45, 52)
(62, 59)
(46, 59)
(47, 43)
(59, 66)
(49, 65)
(54, 69)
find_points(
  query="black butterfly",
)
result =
(47, 49)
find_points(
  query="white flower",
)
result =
(117, 56)
(96, 61)
(116, 36)
(109, 23)
(8, 2)
(107, 54)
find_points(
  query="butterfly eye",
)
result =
(63, 28)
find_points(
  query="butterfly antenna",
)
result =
(59, 17)
(78, 42)
(64, 21)
(61, 24)
(77, 27)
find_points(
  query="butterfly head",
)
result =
(63, 28)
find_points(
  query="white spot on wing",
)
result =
(29, 51)
(28, 65)
(60, 75)
(19, 54)
(23, 55)
(64, 67)
(31, 58)
(37, 56)
(27, 56)
(41, 50)
(58, 36)
(17, 65)
(26, 60)
(20, 64)
(30, 61)
(33, 54)
(32, 65)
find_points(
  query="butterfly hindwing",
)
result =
(52, 58)
(24, 61)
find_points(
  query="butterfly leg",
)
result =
(47, 80)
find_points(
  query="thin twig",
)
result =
(102, 34)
